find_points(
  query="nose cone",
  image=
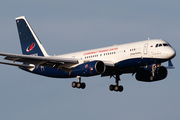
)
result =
(171, 53)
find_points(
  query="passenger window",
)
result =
(156, 45)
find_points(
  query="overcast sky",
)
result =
(70, 26)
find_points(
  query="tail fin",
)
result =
(30, 44)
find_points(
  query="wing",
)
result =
(48, 61)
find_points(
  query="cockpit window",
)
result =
(160, 45)
(165, 44)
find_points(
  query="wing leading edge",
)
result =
(49, 61)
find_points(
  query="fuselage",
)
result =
(121, 56)
(116, 53)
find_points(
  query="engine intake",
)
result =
(89, 69)
(145, 75)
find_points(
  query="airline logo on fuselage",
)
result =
(30, 47)
(86, 66)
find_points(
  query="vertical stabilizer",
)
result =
(30, 44)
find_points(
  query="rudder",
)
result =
(30, 44)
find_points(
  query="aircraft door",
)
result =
(145, 50)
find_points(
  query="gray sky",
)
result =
(69, 26)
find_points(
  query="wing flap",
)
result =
(26, 66)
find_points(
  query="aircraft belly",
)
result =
(136, 62)
(49, 72)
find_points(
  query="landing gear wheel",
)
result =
(83, 85)
(78, 85)
(120, 88)
(151, 78)
(74, 84)
(111, 87)
(116, 88)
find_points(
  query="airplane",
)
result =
(143, 58)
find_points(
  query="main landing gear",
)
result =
(116, 87)
(78, 84)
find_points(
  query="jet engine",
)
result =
(89, 69)
(151, 74)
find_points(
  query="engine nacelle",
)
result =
(146, 75)
(89, 69)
